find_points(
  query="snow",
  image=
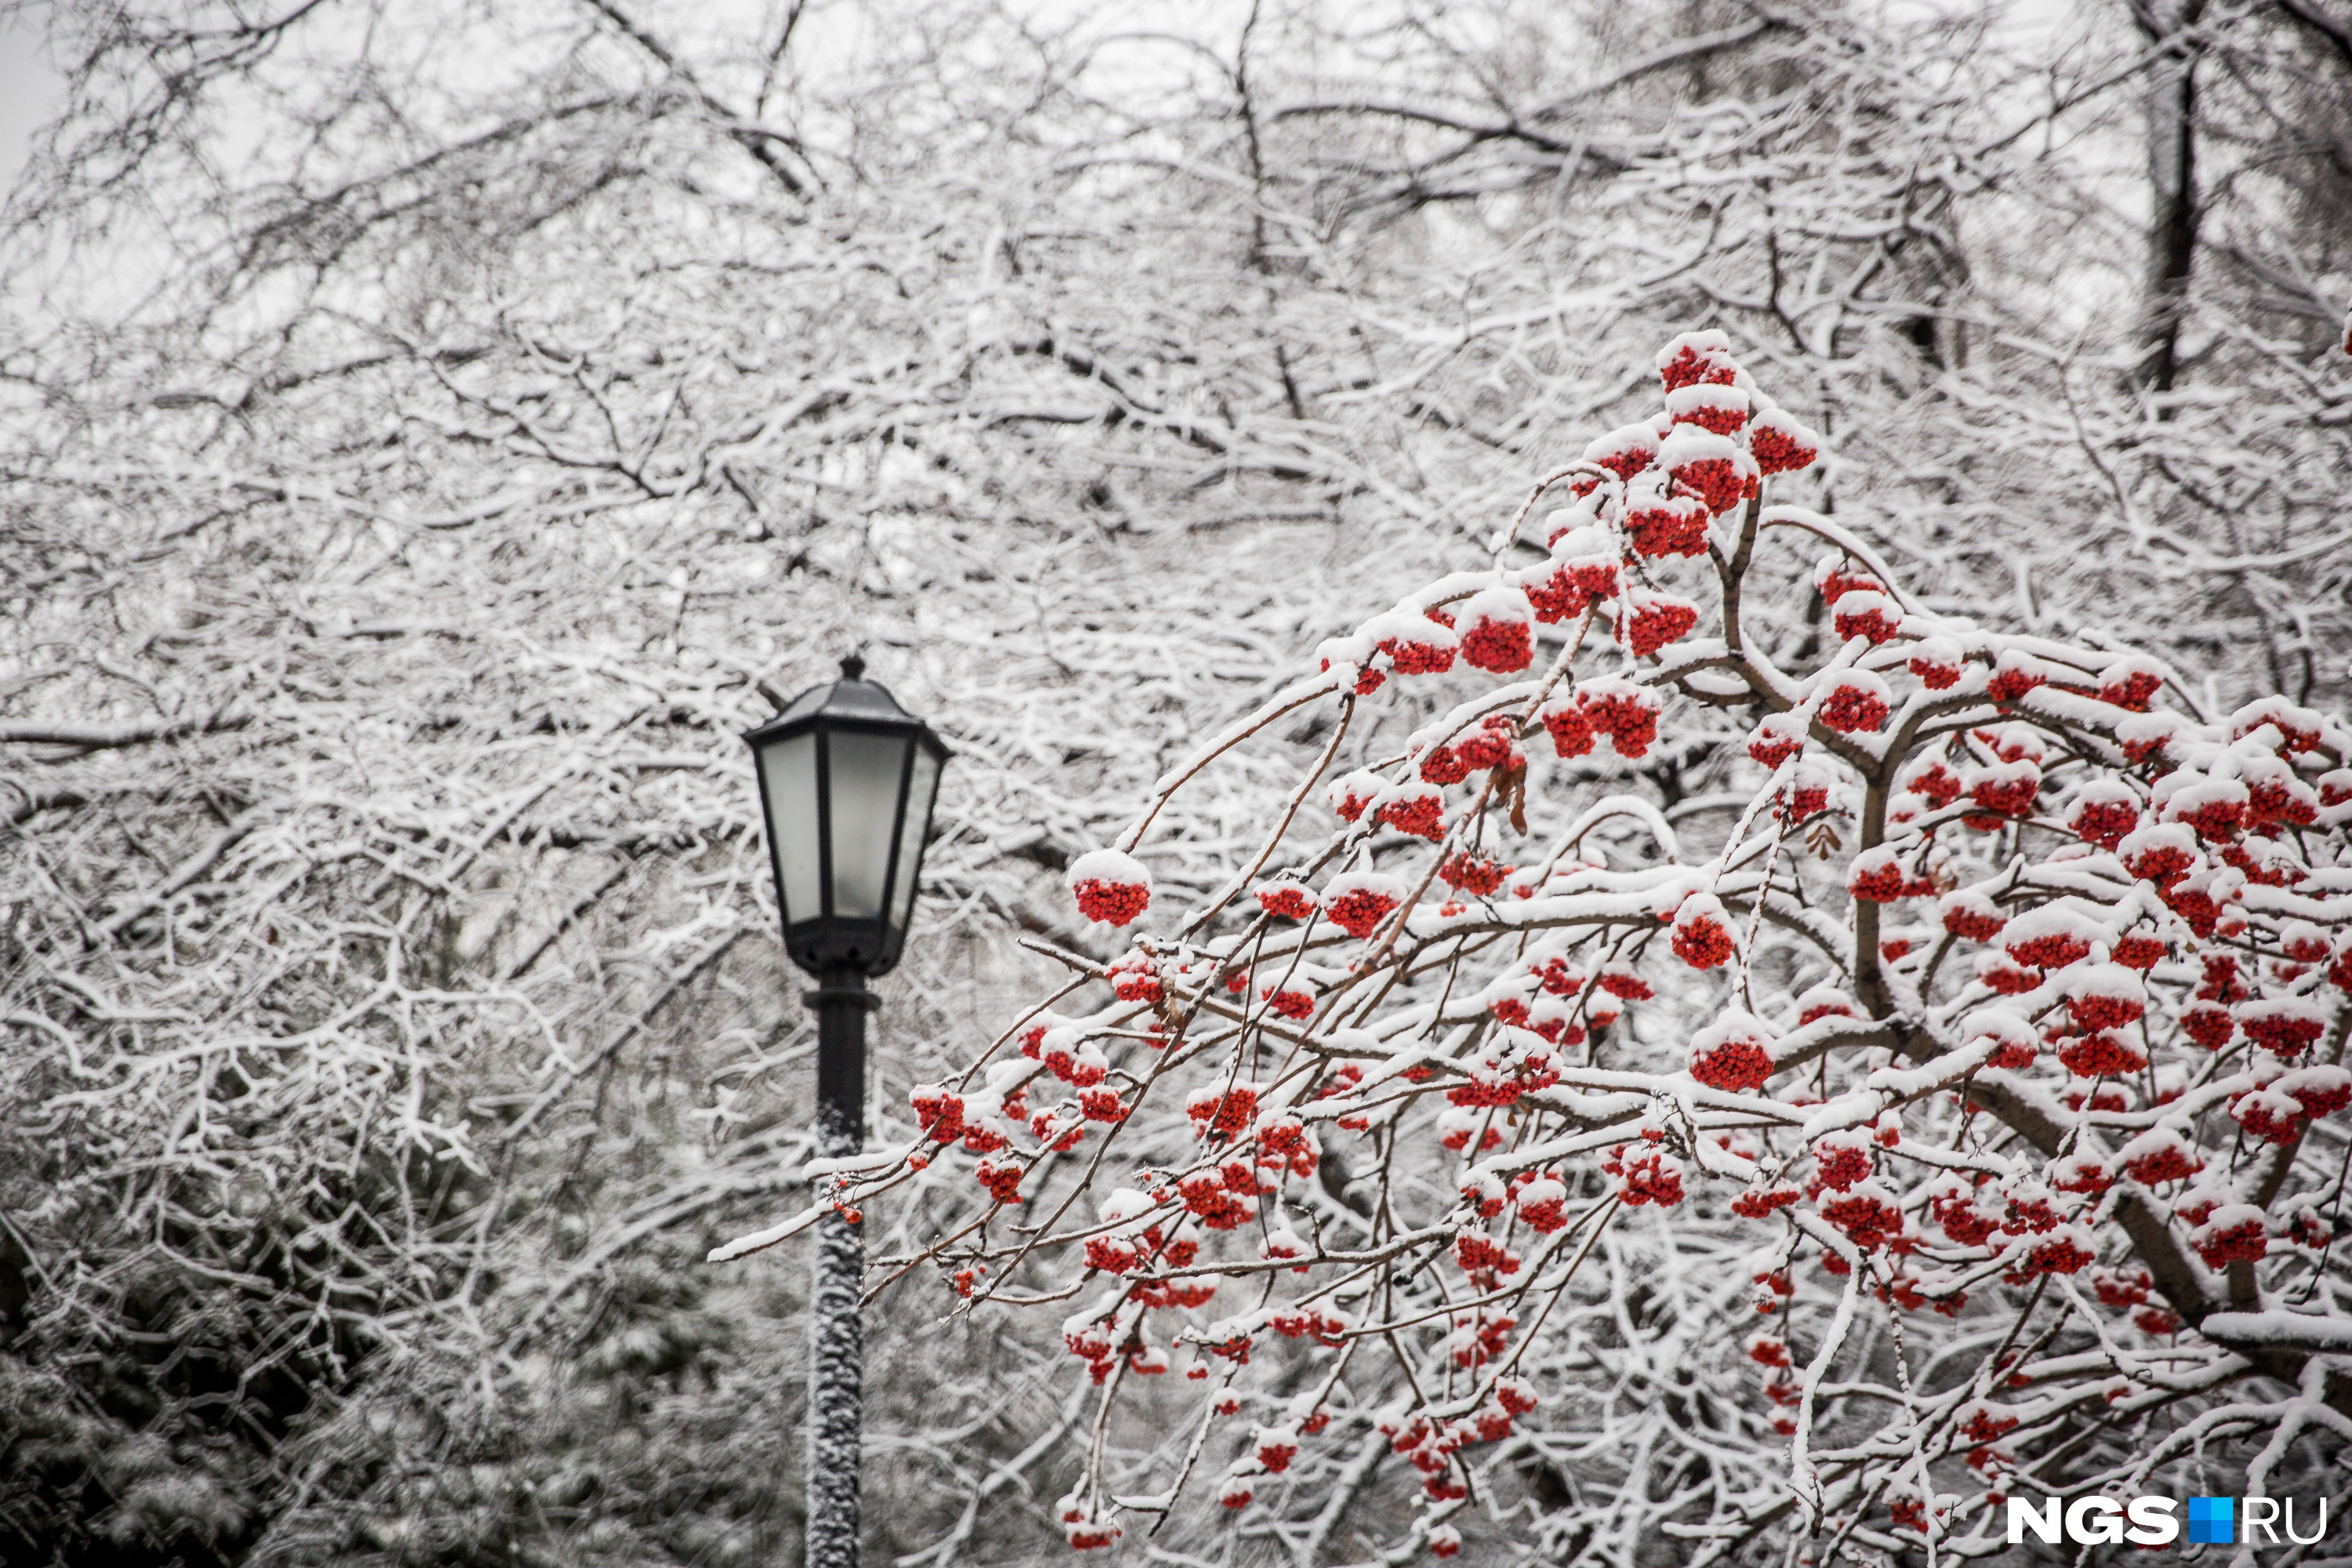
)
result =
(373, 651)
(2279, 1329)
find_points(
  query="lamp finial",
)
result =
(853, 667)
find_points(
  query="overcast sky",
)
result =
(27, 91)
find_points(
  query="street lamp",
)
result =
(846, 781)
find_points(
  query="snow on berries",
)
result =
(2128, 683)
(1933, 782)
(1564, 720)
(2158, 1155)
(1360, 665)
(2161, 853)
(2284, 1026)
(1780, 443)
(1461, 1128)
(1086, 1534)
(2274, 795)
(1623, 709)
(1552, 592)
(1778, 737)
(1703, 936)
(1857, 703)
(1134, 976)
(1711, 466)
(1281, 1244)
(1732, 1054)
(2294, 727)
(1276, 1446)
(1868, 1213)
(1841, 1159)
(2103, 812)
(2210, 807)
(2140, 948)
(1416, 809)
(2102, 1053)
(2007, 789)
(1968, 1216)
(1971, 914)
(1663, 518)
(2104, 996)
(1824, 1002)
(2300, 942)
(2320, 1090)
(1543, 1205)
(1869, 615)
(1711, 406)
(1351, 794)
(1110, 887)
(1357, 901)
(1651, 620)
(1069, 1055)
(2232, 1233)
(2050, 937)
(1222, 1111)
(1877, 876)
(1624, 451)
(1938, 662)
(2006, 1041)
(1494, 744)
(2014, 673)
(1695, 359)
(2269, 1113)
(1834, 577)
(1497, 631)
(1647, 1175)
(1589, 559)
(1415, 644)
(2064, 1249)
(1216, 1200)
(938, 1111)
(1476, 874)
(1290, 900)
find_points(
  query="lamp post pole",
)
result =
(846, 781)
(837, 1339)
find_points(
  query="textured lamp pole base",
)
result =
(836, 1338)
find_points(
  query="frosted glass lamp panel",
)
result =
(867, 773)
(788, 772)
(920, 786)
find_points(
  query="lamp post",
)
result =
(846, 781)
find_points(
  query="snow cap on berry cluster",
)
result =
(1357, 901)
(1110, 886)
(1691, 359)
(1733, 1053)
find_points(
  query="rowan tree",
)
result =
(1977, 1087)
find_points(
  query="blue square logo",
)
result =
(2210, 1522)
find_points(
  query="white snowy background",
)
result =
(431, 432)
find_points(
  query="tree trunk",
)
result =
(2172, 183)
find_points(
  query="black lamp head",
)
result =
(848, 779)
